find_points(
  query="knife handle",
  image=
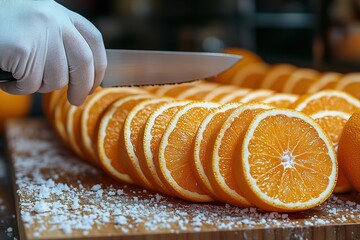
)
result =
(6, 76)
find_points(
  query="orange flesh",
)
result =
(334, 126)
(281, 103)
(284, 164)
(113, 131)
(353, 89)
(76, 127)
(53, 101)
(179, 149)
(230, 146)
(176, 90)
(329, 103)
(236, 96)
(303, 84)
(252, 79)
(325, 81)
(277, 75)
(248, 57)
(279, 84)
(207, 146)
(199, 95)
(157, 131)
(58, 116)
(136, 138)
(97, 109)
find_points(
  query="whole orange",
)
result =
(349, 150)
(13, 106)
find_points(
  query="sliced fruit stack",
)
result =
(206, 142)
(253, 72)
(330, 108)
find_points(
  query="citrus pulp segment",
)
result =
(175, 151)
(226, 148)
(287, 163)
(109, 133)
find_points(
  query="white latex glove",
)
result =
(46, 46)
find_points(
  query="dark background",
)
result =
(281, 29)
(323, 34)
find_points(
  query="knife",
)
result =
(144, 67)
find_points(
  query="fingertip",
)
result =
(75, 101)
(77, 94)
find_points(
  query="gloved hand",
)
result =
(46, 46)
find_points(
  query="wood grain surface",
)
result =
(58, 196)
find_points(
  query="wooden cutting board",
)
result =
(60, 197)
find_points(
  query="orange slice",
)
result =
(174, 89)
(349, 150)
(350, 83)
(153, 132)
(73, 126)
(248, 57)
(222, 173)
(73, 129)
(325, 81)
(108, 136)
(219, 92)
(250, 76)
(234, 95)
(197, 93)
(255, 96)
(287, 162)
(204, 144)
(151, 89)
(333, 123)
(326, 100)
(92, 112)
(53, 102)
(280, 100)
(59, 124)
(300, 81)
(175, 151)
(200, 89)
(277, 76)
(131, 140)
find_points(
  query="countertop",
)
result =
(86, 203)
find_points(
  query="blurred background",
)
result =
(322, 34)
(275, 28)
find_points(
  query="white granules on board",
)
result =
(41, 206)
(58, 192)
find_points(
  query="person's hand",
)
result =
(46, 46)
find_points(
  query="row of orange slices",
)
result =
(330, 108)
(253, 72)
(168, 139)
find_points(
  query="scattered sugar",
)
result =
(120, 220)
(75, 205)
(50, 199)
(308, 223)
(41, 207)
(96, 187)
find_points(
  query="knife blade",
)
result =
(144, 67)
